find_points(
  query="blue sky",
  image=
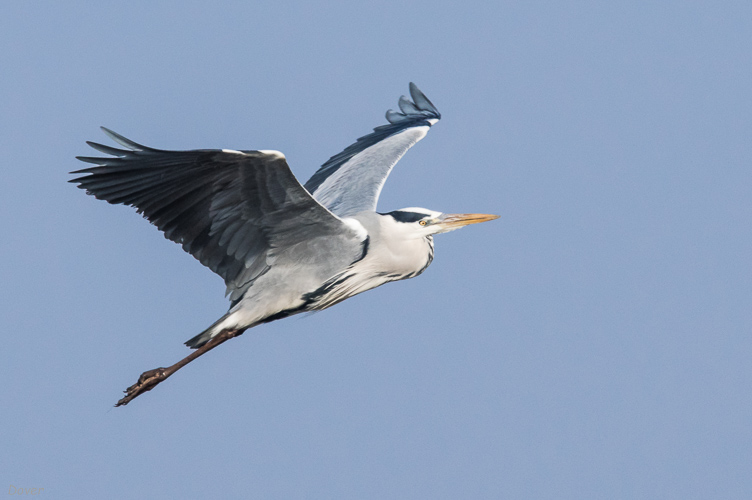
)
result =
(594, 342)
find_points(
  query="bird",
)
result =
(282, 247)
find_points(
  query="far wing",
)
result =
(351, 181)
(234, 211)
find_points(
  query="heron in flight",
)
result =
(282, 248)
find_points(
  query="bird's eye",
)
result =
(423, 223)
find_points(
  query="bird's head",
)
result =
(423, 222)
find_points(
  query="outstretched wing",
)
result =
(235, 211)
(351, 181)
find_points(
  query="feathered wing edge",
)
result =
(232, 210)
(420, 112)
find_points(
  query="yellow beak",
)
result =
(456, 221)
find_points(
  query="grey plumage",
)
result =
(351, 181)
(281, 248)
(234, 212)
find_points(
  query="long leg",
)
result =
(150, 379)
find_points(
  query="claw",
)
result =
(150, 379)
(146, 382)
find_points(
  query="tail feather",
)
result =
(205, 336)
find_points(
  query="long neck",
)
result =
(393, 254)
(396, 250)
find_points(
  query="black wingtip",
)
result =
(108, 150)
(420, 107)
(79, 171)
(421, 101)
(124, 141)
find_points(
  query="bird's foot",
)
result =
(146, 382)
(149, 380)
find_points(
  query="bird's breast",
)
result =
(380, 265)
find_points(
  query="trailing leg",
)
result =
(150, 379)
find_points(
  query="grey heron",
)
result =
(282, 248)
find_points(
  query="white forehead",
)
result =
(420, 210)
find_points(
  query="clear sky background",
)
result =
(594, 342)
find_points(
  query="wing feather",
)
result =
(351, 181)
(236, 212)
